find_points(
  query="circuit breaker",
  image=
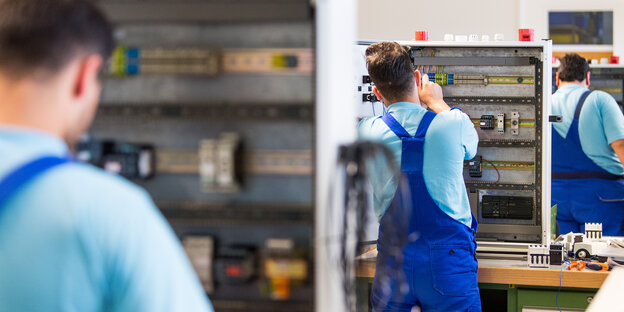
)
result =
(505, 88)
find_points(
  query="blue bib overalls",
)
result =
(15, 180)
(583, 191)
(439, 260)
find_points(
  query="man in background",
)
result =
(588, 152)
(72, 237)
(439, 263)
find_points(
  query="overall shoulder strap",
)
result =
(580, 104)
(395, 126)
(425, 122)
(22, 175)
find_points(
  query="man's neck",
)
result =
(570, 83)
(21, 106)
(410, 99)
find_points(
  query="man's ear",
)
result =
(418, 78)
(557, 81)
(88, 72)
(587, 79)
(378, 94)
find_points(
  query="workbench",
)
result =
(509, 285)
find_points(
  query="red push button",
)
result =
(526, 34)
(422, 36)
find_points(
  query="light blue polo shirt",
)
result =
(451, 138)
(79, 239)
(601, 123)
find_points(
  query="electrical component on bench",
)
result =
(130, 160)
(500, 121)
(579, 246)
(200, 251)
(538, 256)
(593, 230)
(474, 167)
(556, 254)
(220, 163)
(515, 123)
(569, 240)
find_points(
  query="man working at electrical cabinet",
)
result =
(439, 261)
(72, 237)
(588, 152)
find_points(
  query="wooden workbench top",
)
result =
(514, 272)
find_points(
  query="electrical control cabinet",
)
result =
(504, 87)
(222, 92)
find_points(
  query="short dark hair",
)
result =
(390, 69)
(573, 68)
(45, 35)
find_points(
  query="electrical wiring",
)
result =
(564, 265)
(354, 165)
(493, 166)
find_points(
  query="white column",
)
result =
(335, 125)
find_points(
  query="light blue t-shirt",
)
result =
(451, 138)
(79, 239)
(601, 123)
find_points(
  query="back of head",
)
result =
(39, 37)
(573, 68)
(390, 68)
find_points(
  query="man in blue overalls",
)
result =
(588, 152)
(439, 265)
(72, 237)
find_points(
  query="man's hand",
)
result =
(430, 94)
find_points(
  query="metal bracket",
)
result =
(507, 143)
(478, 185)
(489, 100)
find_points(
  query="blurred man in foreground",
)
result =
(72, 237)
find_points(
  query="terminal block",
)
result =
(538, 256)
(593, 230)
